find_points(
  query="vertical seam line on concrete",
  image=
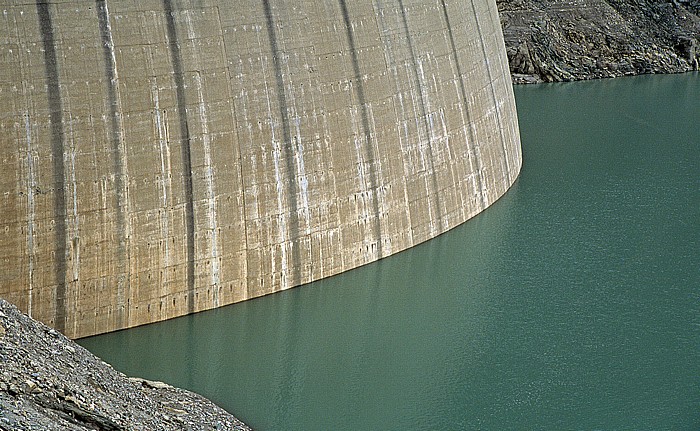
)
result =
(185, 142)
(57, 149)
(238, 144)
(165, 187)
(288, 155)
(424, 117)
(118, 156)
(72, 220)
(365, 125)
(465, 102)
(390, 62)
(31, 209)
(212, 225)
(493, 91)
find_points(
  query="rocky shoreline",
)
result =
(569, 40)
(48, 382)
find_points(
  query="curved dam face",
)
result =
(163, 157)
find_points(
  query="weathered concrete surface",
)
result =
(566, 40)
(161, 157)
(48, 382)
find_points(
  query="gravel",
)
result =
(47, 382)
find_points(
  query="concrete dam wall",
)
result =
(162, 157)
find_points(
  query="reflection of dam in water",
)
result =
(166, 157)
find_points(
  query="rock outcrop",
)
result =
(567, 40)
(48, 382)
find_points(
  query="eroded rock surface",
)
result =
(47, 382)
(566, 40)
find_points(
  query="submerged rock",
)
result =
(47, 382)
(565, 40)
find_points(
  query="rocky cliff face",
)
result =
(47, 383)
(565, 40)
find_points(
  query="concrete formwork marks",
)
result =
(211, 224)
(472, 145)
(283, 148)
(119, 160)
(165, 185)
(403, 135)
(510, 128)
(72, 220)
(416, 70)
(374, 248)
(31, 210)
(504, 160)
(170, 156)
(185, 143)
(53, 92)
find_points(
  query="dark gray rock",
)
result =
(47, 382)
(565, 40)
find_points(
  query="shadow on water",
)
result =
(572, 303)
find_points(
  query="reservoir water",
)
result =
(572, 303)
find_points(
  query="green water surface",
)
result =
(571, 304)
